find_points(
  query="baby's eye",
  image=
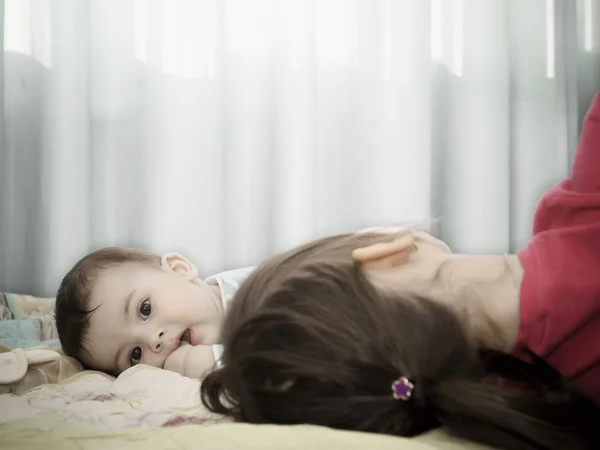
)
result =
(135, 356)
(145, 309)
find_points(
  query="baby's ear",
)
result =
(385, 255)
(175, 263)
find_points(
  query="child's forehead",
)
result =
(115, 283)
(125, 271)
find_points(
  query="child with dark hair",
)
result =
(119, 307)
(389, 332)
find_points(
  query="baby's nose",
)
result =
(156, 343)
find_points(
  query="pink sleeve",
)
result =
(560, 291)
(585, 176)
(576, 200)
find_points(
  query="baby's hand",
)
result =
(192, 361)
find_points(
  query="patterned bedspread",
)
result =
(142, 396)
(150, 409)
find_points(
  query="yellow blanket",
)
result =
(150, 408)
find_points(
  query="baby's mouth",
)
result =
(189, 337)
(185, 337)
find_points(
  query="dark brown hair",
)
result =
(73, 297)
(309, 340)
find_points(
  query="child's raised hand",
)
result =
(193, 361)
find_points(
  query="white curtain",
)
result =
(232, 129)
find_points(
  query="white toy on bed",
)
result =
(20, 370)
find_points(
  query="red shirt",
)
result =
(560, 292)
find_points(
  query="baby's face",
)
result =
(142, 313)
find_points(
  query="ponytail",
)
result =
(518, 406)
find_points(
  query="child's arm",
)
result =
(575, 201)
(192, 361)
(585, 176)
(559, 300)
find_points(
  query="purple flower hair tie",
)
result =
(402, 389)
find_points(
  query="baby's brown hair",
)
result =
(73, 297)
(309, 340)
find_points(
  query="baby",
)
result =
(119, 307)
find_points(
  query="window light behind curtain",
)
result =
(229, 130)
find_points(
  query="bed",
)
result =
(145, 407)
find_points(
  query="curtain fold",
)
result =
(232, 129)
